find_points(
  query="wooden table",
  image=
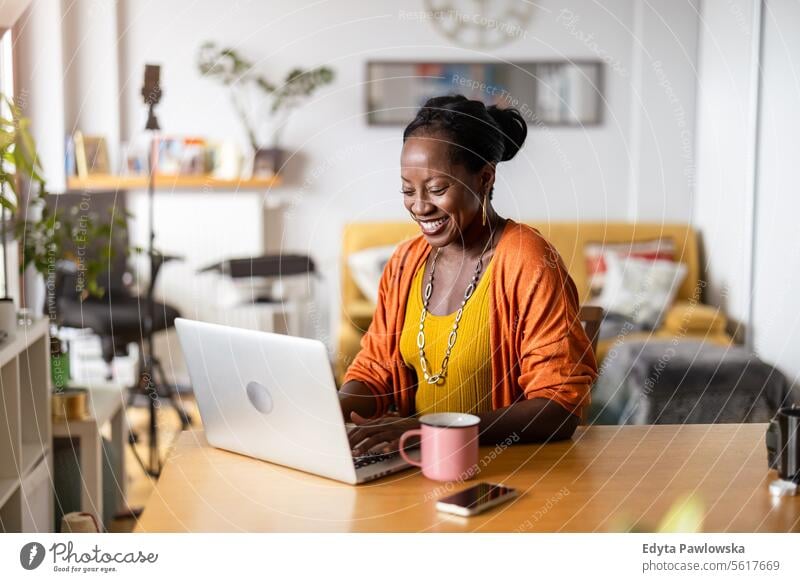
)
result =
(605, 479)
(106, 404)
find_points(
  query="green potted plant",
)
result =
(44, 240)
(17, 159)
(231, 69)
(43, 232)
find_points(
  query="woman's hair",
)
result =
(478, 135)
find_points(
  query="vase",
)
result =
(8, 319)
(267, 162)
(34, 291)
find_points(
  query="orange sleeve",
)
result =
(372, 365)
(556, 358)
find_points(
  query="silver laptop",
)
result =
(273, 397)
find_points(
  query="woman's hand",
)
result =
(385, 431)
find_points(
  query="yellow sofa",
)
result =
(687, 317)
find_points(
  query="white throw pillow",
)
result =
(640, 289)
(367, 267)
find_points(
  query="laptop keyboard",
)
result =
(372, 458)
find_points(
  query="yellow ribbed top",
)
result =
(467, 386)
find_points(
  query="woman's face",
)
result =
(444, 198)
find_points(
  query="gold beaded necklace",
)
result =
(451, 339)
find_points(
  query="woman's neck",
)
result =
(478, 237)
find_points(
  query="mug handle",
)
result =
(401, 447)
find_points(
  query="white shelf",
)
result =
(26, 497)
(32, 453)
(7, 488)
(105, 400)
(106, 406)
(25, 336)
(106, 182)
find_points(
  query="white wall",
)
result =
(747, 152)
(39, 83)
(776, 317)
(91, 92)
(351, 170)
(662, 129)
(725, 148)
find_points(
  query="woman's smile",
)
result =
(433, 227)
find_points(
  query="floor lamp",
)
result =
(151, 92)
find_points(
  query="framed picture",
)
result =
(135, 157)
(568, 93)
(91, 155)
(182, 156)
(552, 93)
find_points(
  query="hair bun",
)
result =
(513, 127)
(478, 135)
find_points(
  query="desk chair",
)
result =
(592, 316)
(269, 280)
(119, 317)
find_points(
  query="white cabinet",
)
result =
(36, 499)
(26, 465)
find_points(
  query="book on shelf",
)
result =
(90, 153)
(175, 156)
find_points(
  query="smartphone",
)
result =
(476, 499)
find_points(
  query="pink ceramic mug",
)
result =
(449, 446)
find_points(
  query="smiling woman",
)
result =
(477, 314)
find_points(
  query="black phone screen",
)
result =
(476, 496)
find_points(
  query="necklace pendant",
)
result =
(435, 379)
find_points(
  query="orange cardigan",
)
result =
(538, 346)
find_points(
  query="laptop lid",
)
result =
(269, 396)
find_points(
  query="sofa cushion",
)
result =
(596, 264)
(367, 266)
(640, 289)
(694, 317)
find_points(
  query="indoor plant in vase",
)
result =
(46, 241)
(260, 104)
(17, 160)
(42, 233)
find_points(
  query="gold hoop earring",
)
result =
(483, 218)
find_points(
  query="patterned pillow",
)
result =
(640, 289)
(366, 267)
(662, 249)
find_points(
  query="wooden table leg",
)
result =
(91, 463)
(119, 437)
